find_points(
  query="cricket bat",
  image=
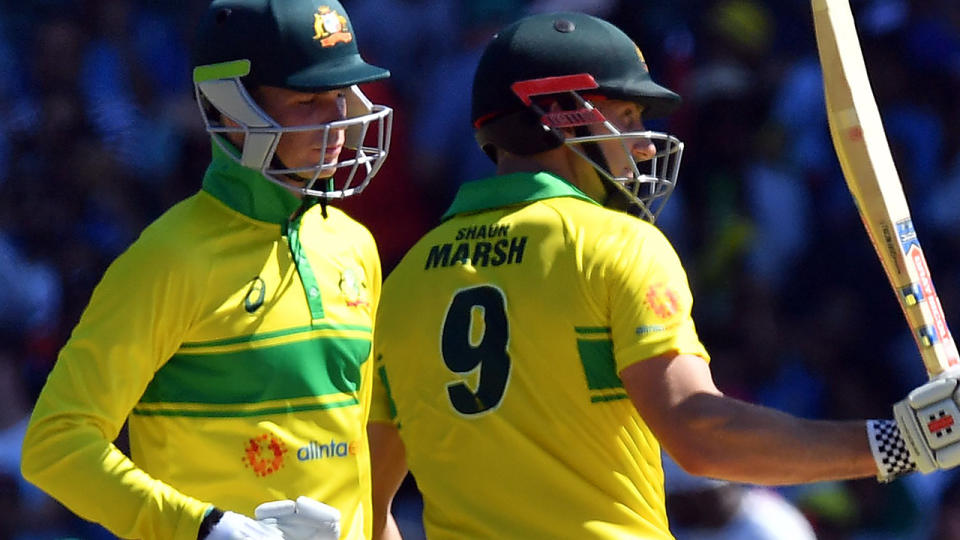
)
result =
(872, 178)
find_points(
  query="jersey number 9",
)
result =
(475, 334)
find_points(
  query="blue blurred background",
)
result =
(99, 134)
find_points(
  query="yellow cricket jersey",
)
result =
(237, 341)
(499, 341)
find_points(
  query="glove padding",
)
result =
(233, 526)
(303, 519)
(928, 419)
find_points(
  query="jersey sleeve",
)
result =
(377, 409)
(371, 261)
(649, 298)
(134, 322)
(381, 405)
(382, 408)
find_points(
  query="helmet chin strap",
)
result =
(616, 199)
(307, 199)
(277, 164)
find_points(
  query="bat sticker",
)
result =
(908, 236)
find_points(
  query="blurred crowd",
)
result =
(99, 134)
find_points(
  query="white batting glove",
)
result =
(233, 526)
(303, 519)
(926, 436)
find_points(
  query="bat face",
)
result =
(872, 178)
(922, 289)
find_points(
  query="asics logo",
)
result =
(255, 295)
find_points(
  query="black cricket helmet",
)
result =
(302, 45)
(574, 59)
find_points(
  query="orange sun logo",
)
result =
(662, 300)
(264, 454)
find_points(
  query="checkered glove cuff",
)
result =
(889, 450)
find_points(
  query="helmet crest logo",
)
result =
(330, 27)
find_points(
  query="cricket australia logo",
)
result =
(264, 454)
(353, 287)
(330, 27)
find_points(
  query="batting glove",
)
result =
(924, 436)
(303, 519)
(233, 526)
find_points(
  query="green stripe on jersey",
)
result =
(214, 412)
(315, 367)
(386, 385)
(592, 329)
(596, 355)
(610, 397)
(270, 335)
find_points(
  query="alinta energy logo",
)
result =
(264, 454)
(334, 449)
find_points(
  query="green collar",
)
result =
(509, 189)
(246, 190)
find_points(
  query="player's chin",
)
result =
(327, 172)
(321, 178)
(321, 170)
(310, 180)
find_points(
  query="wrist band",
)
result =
(209, 521)
(889, 450)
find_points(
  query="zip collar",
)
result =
(510, 189)
(246, 190)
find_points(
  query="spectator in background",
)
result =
(32, 514)
(444, 162)
(412, 36)
(946, 516)
(37, 207)
(12, 97)
(134, 79)
(707, 509)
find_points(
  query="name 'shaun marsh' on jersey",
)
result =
(478, 245)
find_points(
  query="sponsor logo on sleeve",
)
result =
(662, 300)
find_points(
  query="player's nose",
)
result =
(643, 149)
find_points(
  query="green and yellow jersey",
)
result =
(237, 341)
(499, 341)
